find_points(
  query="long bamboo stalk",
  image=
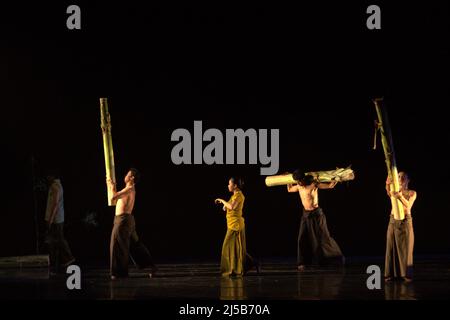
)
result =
(389, 154)
(107, 146)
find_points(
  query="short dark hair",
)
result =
(305, 179)
(406, 175)
(238, 181)
(298, 175)
(53, 173)
(136, 174)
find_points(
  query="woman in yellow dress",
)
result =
(235, 259)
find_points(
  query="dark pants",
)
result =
(315, 245)
(399, 247)
(124, 237)
(59, 250)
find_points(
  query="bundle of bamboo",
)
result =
(340, 175)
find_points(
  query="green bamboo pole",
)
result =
(388, 147)
(107, 146)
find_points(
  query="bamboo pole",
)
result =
(280, 180)
(389, 154)
(107, 146)
(340, 175)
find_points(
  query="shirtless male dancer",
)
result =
(124, 230)
(315, 245)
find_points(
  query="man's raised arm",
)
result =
(117, 195)
(292, 187)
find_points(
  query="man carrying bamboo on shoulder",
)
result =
(315, 245)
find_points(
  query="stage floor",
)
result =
(277, 281)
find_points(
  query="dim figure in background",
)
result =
(60, 254)
(315, 245)
(235, 260)
(400, 234)
(124, 236)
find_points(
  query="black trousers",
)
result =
(59, 249)
(124, 240)
(315, 245)
(399, 248)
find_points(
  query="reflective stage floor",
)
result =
(277, 281)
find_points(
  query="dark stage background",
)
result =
(310, 71)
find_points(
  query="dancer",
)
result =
(124, 231)
(235, 260)
(400, 234)
(60, 254)
(315, 245)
